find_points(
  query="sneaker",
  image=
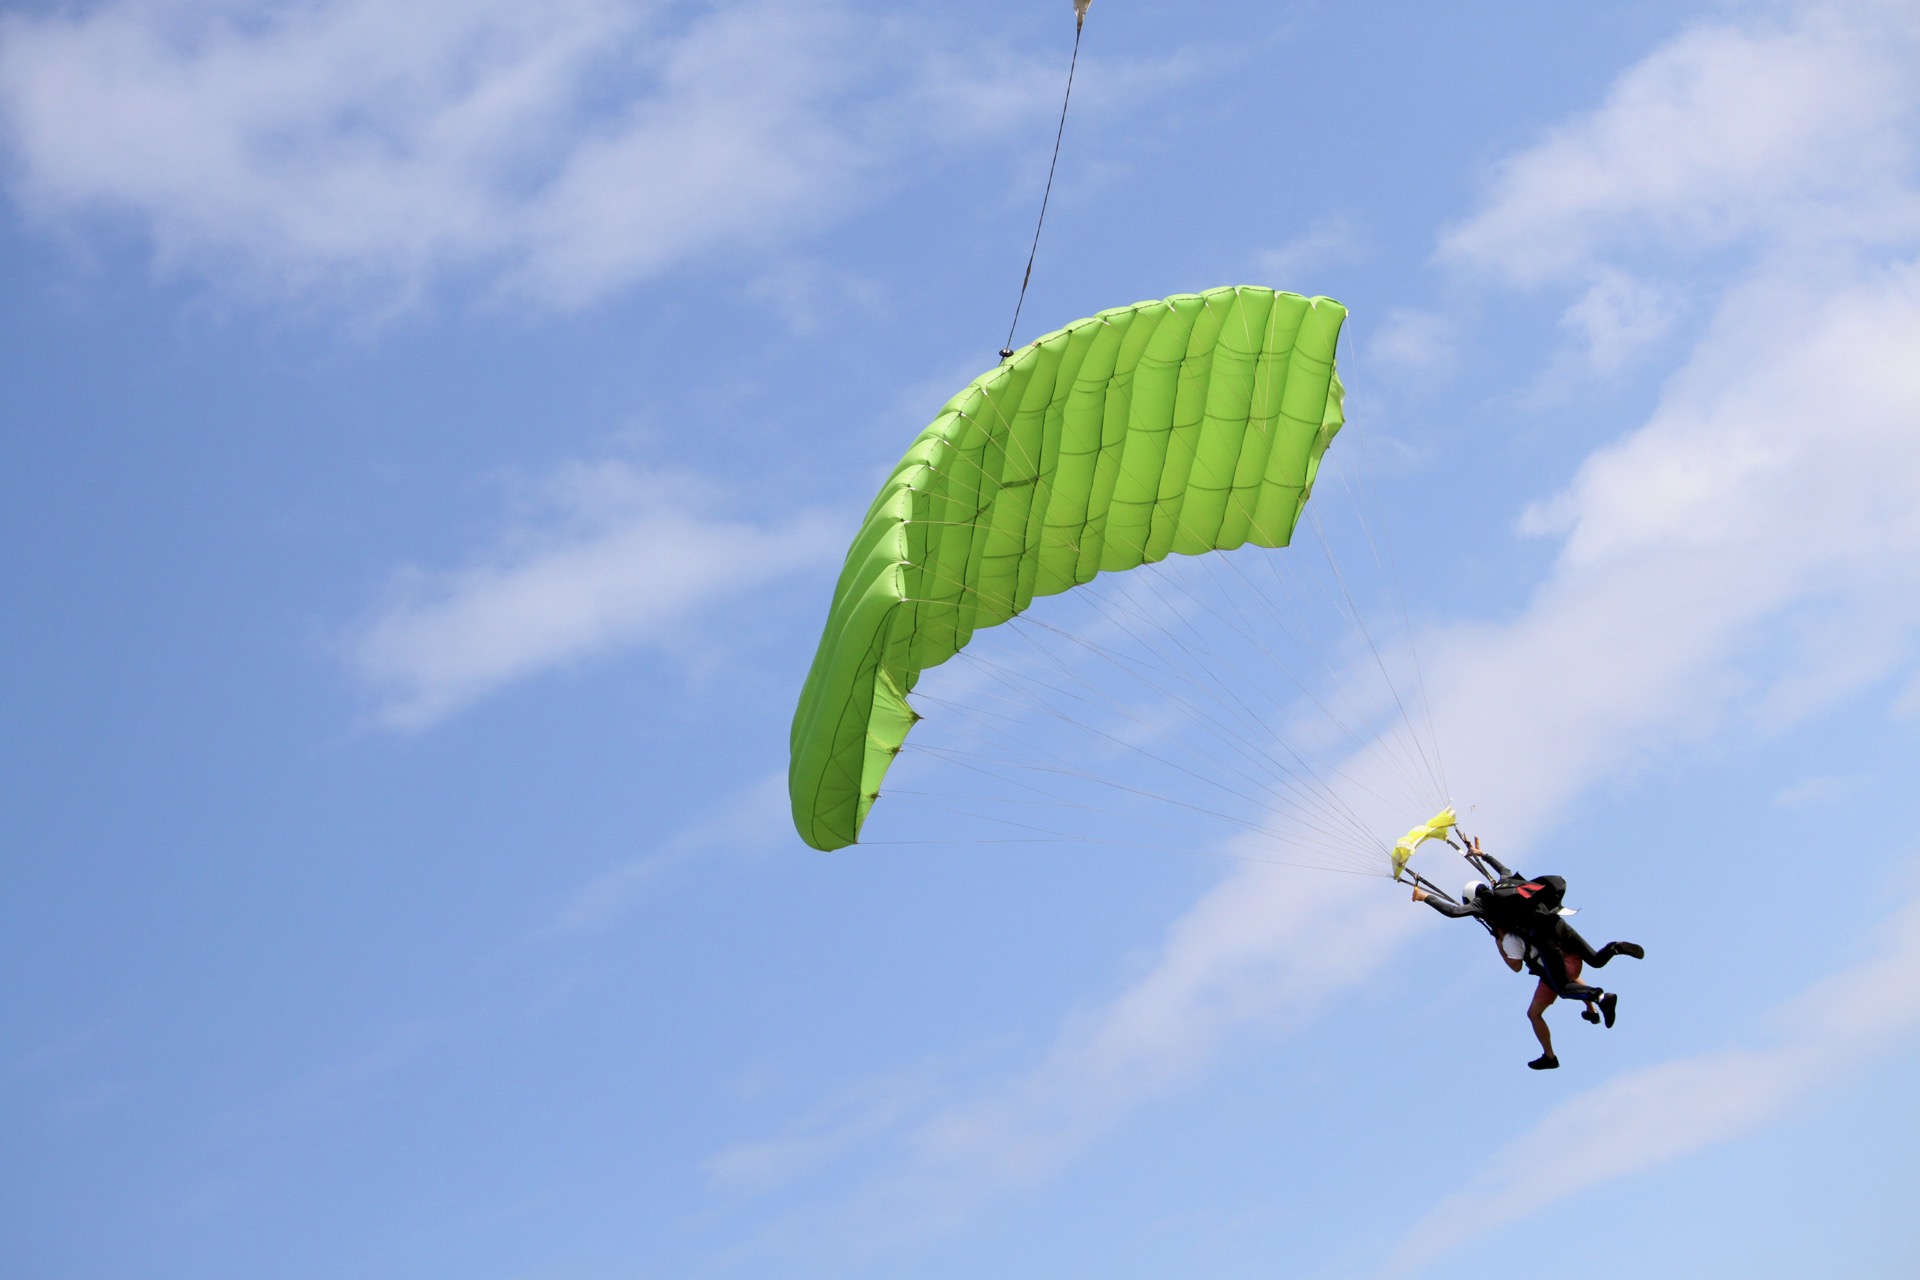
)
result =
(1607, 1003)
(1545, 1062)
(1633, 949)
(1591, 1015)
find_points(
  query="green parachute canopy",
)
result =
(1189, 424)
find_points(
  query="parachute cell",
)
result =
(1184, 425)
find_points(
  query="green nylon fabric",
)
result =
(1183, 425)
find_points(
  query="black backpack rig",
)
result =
(1520, 905)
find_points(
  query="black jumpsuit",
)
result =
(1550, 941)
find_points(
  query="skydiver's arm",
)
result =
(1489, 859)
(1454, 910)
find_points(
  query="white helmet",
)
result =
(1473, 887)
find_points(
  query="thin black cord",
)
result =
(1006, 352)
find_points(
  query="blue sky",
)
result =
(429, 439)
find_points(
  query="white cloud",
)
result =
(1775, 475)
(1617, 318)
(1783, 128)
(1682, 540)
(1906, 706)
(1420, 341)
(811, 298)
(1822, 789)
(623, 557)
(1264, 947)
(753, 819)
(345, 147)
(396, 1049)
(1649, 1117)
(1328, 242)
(861, 1112)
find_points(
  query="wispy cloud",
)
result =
(1787, 131)
(1649, 1117)
(1906, 706)
(1417, 341)
(615, 556)
(861, 1112)
(1766, 485)
(1784, 126)
(1617, 318)
(346, 148)
(1633, 645)
(1767, 481)
(1265, 947)
(1774, 476)
(396, 1049)
(1822, 789)
(1329, 242)
(752, 819)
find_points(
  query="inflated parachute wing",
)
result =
(1188, 424)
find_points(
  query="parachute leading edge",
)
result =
(1434, 828)
(1179, 426)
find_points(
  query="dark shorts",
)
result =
(1571, 966)
(1559, 975)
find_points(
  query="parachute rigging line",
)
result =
(1328, 799)
(1080, 21)
(1391, 568)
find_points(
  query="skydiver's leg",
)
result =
(1562, 972)
(1600, 1004)
(1542, 997)
(1568, 939)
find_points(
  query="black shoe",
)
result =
(1607, 1002)
(1591, 1015)
(1633, 949)
(1545, 1062)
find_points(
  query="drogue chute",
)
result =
(1434, 828)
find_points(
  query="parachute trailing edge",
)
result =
(1178, 426)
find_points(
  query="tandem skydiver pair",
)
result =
(1528, 921)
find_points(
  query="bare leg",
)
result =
(1542, 997)
(1562, 972)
